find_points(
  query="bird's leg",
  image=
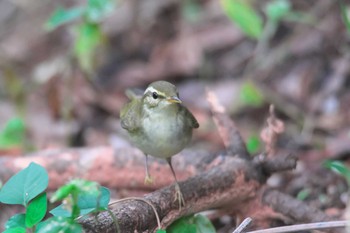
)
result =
(148, 178)
(178, 194)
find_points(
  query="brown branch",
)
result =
(293, 208)
(278, 163)
(227, 129)
(232, 183)
(121, 168)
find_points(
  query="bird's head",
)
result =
(161, 94)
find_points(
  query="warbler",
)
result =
(159, 125)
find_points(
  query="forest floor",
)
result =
(300, 65)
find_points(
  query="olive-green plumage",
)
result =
(158, 123)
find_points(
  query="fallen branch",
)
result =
(293, 208)
(304, 227)
(121, 168)
(233, 183)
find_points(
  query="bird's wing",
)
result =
(191, 119)
(130, 115)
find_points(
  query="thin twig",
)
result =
(307, 226)
(243, 225)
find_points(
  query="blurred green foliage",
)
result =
(251, 23)
(339, 168)
(250, 95)
(161, 231)
(62, 16)
(13, 134)
(345, 15)
(253, 144)
(93, 12)
(27, 188)
(277, 9)
(303, 194)
(89, 35)
(246, 18)
(191, 10)
(192, 224)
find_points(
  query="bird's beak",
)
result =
(174, 100)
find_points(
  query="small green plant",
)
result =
(250, 22)
(303, 194)
(192, 224)
(13, 134)
(88, 33)
(339, 168)
(250, 95)
(27, 188)
(241, 13)
(253, 144)
(277, 11)
(345, 15)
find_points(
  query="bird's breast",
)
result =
(163, 135)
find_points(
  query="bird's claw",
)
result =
(148, 180)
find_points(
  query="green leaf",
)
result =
(17, 220)
(253, 144)
(62, 210)
(98, 9)
(345, 15)
(191, 10)
(61, 16)
(203, 224)
(25, 185)
(182, 225)
(87, 202)
(277, 9)
(36, 210)
(59, 224)
(303, 194)
(250, 95)
(63, 192)
(75, 187)
(13, 133)
(339, 168)
(161, 231)
(89, 37)
(15, 230)
(240, 12)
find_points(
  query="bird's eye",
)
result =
(155, 95)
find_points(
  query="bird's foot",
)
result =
(179, 196)
(148, 180)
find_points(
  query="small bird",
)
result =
(159, 125)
